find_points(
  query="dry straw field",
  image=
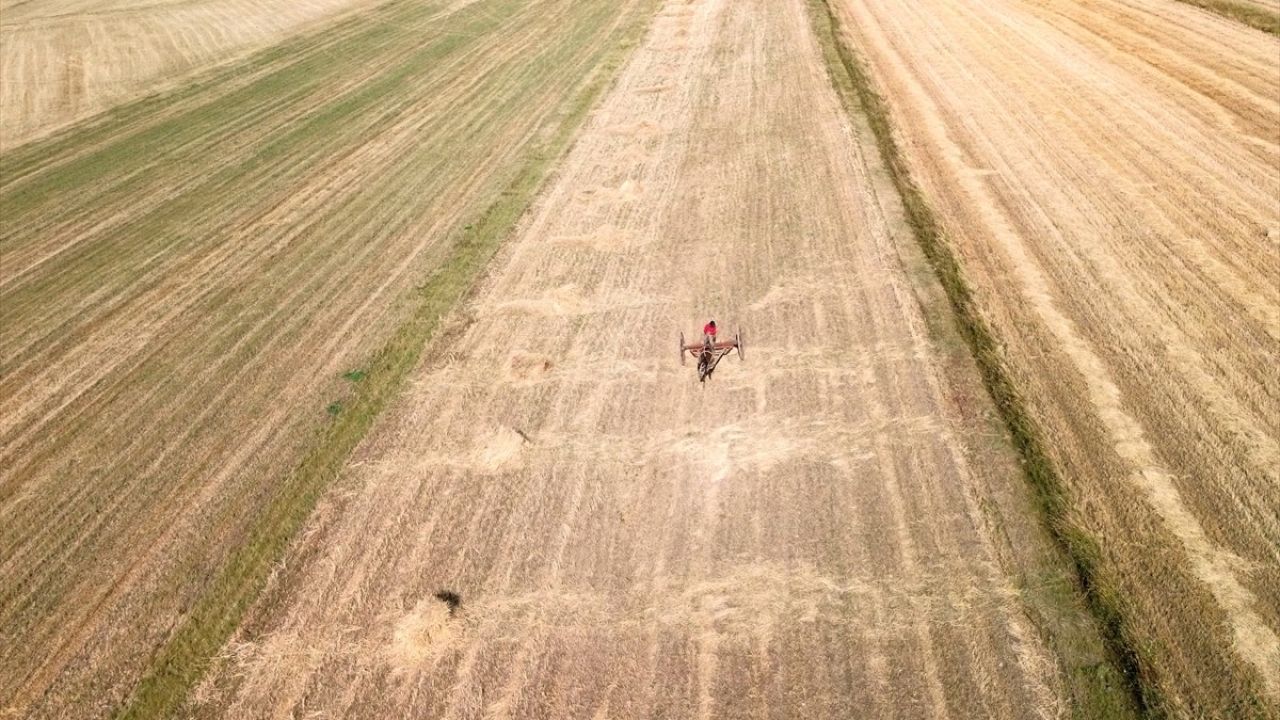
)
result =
(338, 366)
(66, 60)
(187, 280)
(1109, 178)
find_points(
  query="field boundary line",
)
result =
(857, 91)
(181, 662)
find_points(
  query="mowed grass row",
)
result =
(187, 280)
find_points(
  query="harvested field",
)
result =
(64, 60)
(1109, 175)
(283, 218)
(187, 279)
(557, 520)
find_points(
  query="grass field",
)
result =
(339, 378)
(67, 60)
(186, 281)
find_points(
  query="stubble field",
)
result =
(235, 233)
(66, 60)
(801, 536)
(186, 282)
(1109, 176)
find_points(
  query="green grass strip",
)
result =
(1268, 21)
(181, 662)
(857, 91)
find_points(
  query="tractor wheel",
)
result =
(682, 347)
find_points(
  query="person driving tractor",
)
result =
(709, 351)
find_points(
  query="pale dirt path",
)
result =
(798, 538)
(65, 60)
(1110, 174)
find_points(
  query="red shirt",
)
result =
(709, 330)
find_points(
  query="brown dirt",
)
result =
(800, 537)
(1109, 174)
